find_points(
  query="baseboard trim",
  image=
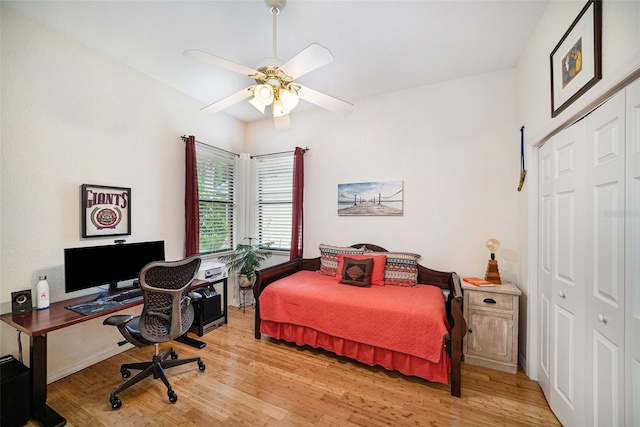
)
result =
(85, 363)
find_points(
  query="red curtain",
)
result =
(298, 191)
(191, 201)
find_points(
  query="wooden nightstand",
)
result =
(492, 322)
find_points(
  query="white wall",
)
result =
(71, 116)
(620, 45)
(455, 145)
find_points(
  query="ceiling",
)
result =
(379, 46)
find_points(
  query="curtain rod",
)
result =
(304, 150)
(184, 138)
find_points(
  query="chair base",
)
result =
(156, 368)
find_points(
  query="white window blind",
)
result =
(216, 185)
(274, 200)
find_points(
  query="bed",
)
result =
(415, 330)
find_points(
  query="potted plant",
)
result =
(245, 259)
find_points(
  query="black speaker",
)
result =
(14, 392)
(21, 302)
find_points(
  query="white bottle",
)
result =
(42, 292)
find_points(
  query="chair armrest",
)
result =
(117, 320)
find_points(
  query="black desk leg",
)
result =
(38, 376)
(225, 307)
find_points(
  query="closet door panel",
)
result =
(608, 246)
(605, 231)
(632, 257)
(564, 350)
(567, 274)
(545, 187)
(607, 403)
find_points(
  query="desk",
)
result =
(37, 324)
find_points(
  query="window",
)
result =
(274, 193)
(216, 177)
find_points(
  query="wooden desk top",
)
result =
(40, 322)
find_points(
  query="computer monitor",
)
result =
(88, 267)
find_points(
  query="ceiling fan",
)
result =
(275, 86)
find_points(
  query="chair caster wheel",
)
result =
(173, 397)
(174, 355)
(125, 373)
(201, 365)
(115, 403)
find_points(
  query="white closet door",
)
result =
(567, 275)
(605, 222)
(632, 289)
(545, 189)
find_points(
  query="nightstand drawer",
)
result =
(491, 300)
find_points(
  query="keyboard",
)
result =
(97, 306)
(134, 293)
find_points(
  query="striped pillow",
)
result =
(401, 268)
(329, 257)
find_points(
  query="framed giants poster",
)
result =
(106, 211)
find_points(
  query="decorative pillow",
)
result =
(377, 272)
(357, 272)
(401, 268)
(329, 257)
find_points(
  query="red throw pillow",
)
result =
(377, 274)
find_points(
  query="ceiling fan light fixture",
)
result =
(277, 109)
(289, 99)
(263, 94)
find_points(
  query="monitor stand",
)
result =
(114, 289)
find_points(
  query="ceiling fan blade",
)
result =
(228, 101)
(312, 57)
(208, 58)
(325, 101)
(283, 123)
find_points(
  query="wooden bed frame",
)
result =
(448, 281)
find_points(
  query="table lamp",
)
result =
(493, 275)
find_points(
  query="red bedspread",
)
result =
(406, 320)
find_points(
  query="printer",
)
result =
(211, 270)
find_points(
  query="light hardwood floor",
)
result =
(268, 383)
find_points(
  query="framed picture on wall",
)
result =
(105, 211)
(576, 61)
(371, 198)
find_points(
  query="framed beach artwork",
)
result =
(576, 61)
(371, 198)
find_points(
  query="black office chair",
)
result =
(166, 315)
